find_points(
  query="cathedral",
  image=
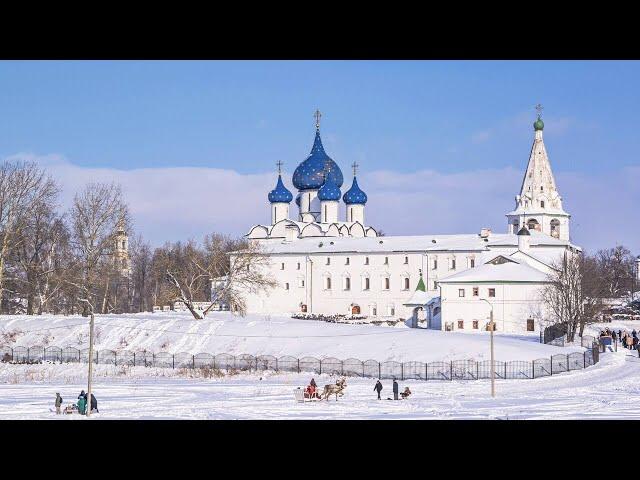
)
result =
(328, 263)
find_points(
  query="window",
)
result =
(453, 264)
(327, 284)
(475, 324)
(541, 188)
(475, 291)
(435, 263)
(391, 311)
(282, 266)
(435, 284)
(492, 292)
(406, 283)
(346, 262)
(123, 245)
(328, 261)
(461, 324)
(366, 283)
(386, 283)
(541, 203)
(286, 286)
(366, 260)
(298, 266)
(530, 325)
(472, 263)
(374, 311)
(301, 282)
(461, 292)
(386, 260)
(347, 283)
(406, 260)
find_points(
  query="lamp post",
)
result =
(493, 365)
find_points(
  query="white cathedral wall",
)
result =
(513, 304)
(337, 299)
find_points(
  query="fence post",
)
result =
(97, 357)
(401, 371)
(28, 355)
(551, 364)
(567, 362)
(153, 359)
(342, 367)
(298, 365)
(533, 370)
(78, 355)
(379, 370)
(584, 359)
(426, 371)
(115, 359)
(134, 359)
(505, 370)
(193, 361)
(276, 364)
(451, 370)
(173, 361)
(320, 373)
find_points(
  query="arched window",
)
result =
(386, 283)
(406, 283)
(555, 228)
(327, 282)
(532, 224)
(346, 283)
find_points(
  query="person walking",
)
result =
(378, 388)
(58, 403)
(395, 389)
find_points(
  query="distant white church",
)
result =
(327, 265)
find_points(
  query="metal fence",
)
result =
(453, 370)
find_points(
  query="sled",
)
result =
(70, 409)
(301, 397)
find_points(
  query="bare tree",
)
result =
(236, 268)
(141, 276)
(22, 186)
(96, 214)
(186, 281)
(616, 266)
(573, 295)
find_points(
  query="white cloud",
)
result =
(188, 202)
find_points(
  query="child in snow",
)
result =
(58, 403)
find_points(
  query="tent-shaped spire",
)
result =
(538, 192)
(420, 296)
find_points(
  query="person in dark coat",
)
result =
(94, 402)
(83, 395)
(613, 336)
(58, 403)
(395, 389)
(313, 383)
(378, 388)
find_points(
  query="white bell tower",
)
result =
(539, 205)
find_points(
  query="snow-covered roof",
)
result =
(413, 243)
(419, 297)
(507, 269)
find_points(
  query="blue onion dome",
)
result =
(280, 193)
(329, 191)
(310, 174)
(354, 195)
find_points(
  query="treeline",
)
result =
(74, 261)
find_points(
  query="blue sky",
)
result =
(447, 117)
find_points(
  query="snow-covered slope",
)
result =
(258, 335)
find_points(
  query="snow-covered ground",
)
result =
(610, 389)
(221, 332)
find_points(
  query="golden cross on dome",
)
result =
(355, 168)
(317, 115)
(279, 164)
(539, 109)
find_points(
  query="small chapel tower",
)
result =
(539, 205)
(121, 252)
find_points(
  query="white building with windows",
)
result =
(327, 265)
